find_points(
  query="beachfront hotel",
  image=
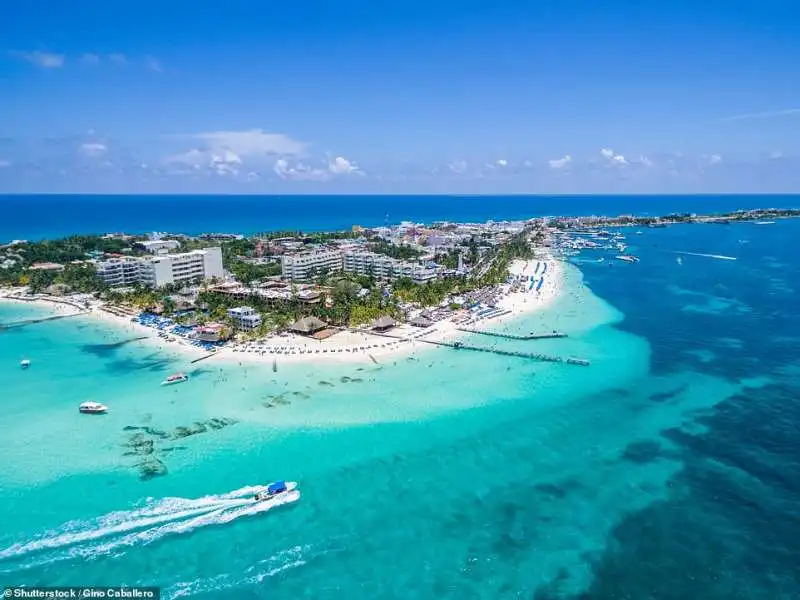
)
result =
(158, 271)
(245, 318)
(304, 266)
(380, 266)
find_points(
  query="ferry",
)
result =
(93, 408)
(627, 258)
(275, 489)
(175, 378)
(25, 363)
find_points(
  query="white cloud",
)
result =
(765, 115)
(714, 159)
(47, 60)
(502, 162)
(457, 166)
(619, 159)
(153, 64)
(341, 166)
(253, 142)
(607, 153)
(93, 148)
(645, 161)
(527, 164)
(298, 172)
(194, 158)
(118, 59)
(560, 163)
(225, 163)
(90, 59)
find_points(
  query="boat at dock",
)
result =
(25, 363)
(175, 378)
(92, 408)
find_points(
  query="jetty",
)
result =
(513, 336)
(26, 322)
(515, 353)
(203, 357)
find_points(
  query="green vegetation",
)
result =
(400, 252)
(248, 272)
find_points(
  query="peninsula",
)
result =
(344, 295)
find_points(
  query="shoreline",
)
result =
(347, 346)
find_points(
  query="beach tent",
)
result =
(383, 323)
(307, 325)
(420, 322)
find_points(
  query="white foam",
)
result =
(144, 525)
(719, 256)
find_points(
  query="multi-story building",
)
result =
(245, 318)
(380, 266)
(158, 271)
(120, 271)
(159, 246)
(304, 266)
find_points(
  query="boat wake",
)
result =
(116, 531)
(719, 256)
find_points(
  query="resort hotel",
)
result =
(304, 266)
(162, 269)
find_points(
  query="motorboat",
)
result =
(93, 408)
(25, 363)
(627, 258)
(175, 378)
(275, 489)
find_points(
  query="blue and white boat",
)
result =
(276, 489)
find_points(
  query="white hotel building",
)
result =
(158, 271)
(304, 266)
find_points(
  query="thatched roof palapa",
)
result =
(420, 322)
(307, 325)
(384, 322)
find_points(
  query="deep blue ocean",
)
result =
(668, 470)
(43, 216)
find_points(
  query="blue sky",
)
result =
(533, 96)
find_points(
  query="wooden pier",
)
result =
(17, 324)
(203, 357)
(512, 336)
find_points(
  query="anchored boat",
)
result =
(92, 408)
(175, 378)
(25, 363)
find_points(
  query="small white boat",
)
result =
(627, 258)
(175, 378)
(765, 222)
(275, 490)
(25, 363)
(93, 408)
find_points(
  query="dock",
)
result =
(26, 322)
(512, 336)
(203, 357)
(515, 353)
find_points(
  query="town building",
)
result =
(380, 266)
(304, 266)
(119, 271)
(245, 318)
(159, 246)
(158, 271)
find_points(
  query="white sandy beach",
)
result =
(349, 345)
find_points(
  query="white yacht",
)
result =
(25, 363)
(175, 378)
(93, 408)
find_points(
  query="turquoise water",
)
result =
(667, 469)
